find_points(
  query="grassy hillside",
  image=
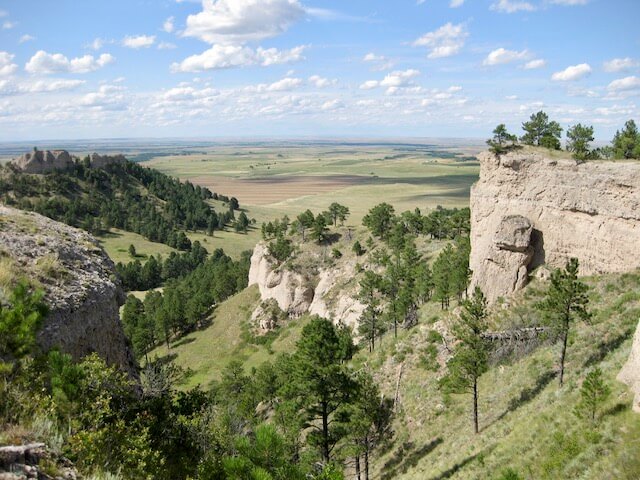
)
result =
(526, 421)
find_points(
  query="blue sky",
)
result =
(244, 68)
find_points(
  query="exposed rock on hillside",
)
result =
(79, 283)
(321, 292)
(527, 210)
(40, 162)
(630, 374)
(19, 462)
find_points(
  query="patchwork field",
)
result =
(274, 180)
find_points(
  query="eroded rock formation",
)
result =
(79, 282)
(527, 210)
(40, 162)
(319, 292)
(630, 373)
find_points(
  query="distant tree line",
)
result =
(97, 199)
(542, 132)
(185, 301)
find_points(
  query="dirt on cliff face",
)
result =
(79, 281)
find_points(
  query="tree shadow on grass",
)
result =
(607, 346)
(183, 341)
(457, 467)
(527, 394)
(406, 457)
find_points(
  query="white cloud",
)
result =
(625, 84)
(139, 41)
(7, 25)
(108, 97)
(320, 82)
(501, 56)
(97, 44)
(570, 3)
(3, 13)
(572, 73)
(168, 25)
(620, 64)
(512, 6)
(166, 46)
(372, 57)
(7, 67)
(392, 81)
(533, 64)
(241, 21)
(285, 85)
(331, 105)
(43, 62)
(229, 56)
(445, 41)
(456, 3)
(26, 38)
(40, 86)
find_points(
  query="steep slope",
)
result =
(528, 210)
(78, 280)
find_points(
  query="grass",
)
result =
(526, 420)
(116, 244)
(206, 352)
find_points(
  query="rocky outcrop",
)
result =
(630, 373)
(41, 162)
(18, 462)
(319, 292)
(79, 282)
(527, 210)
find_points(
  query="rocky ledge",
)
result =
(79, 281)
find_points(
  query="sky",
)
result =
(74, 69)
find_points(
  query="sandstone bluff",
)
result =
(528, 211)
(80, 285)
(40, 162)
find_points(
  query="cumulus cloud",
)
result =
(97, 44)
(320, 82)
(166, 46)
(620, 64)
(501, 56)
(40, 86)
(108, 97)
(7, 67)
(570, 3)
(242, 21)
(26, 38)
(533, 64)
(138, 41)
(380, 62)
(43, 62)
(625, 84)
(168, 25)
(229, 56)
(512, 6)
(392, 81)
(446, 41)
(456, 3)
(7, 25)
(572, 73)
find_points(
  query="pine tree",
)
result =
(594, 393)
(566, 300)
(471, 355)
(578, 139)
(539, 131)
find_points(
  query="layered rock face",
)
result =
(527, 210)
(40, 162)
(297, 294)
(79, 281)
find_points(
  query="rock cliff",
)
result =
(78, 279)
(527, 210)
(630, 373)
(40, 162)
(321, 291)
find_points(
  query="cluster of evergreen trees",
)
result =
(322, 414)
(156, 270)
(400, 279)
(97, 199)
(542, 132)
(185, 300)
